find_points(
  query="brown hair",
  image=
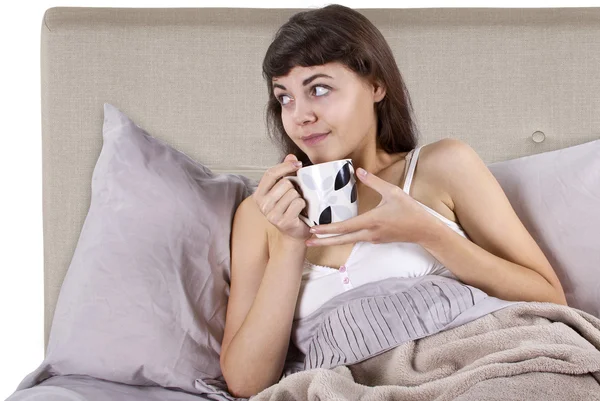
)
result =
(337, 33)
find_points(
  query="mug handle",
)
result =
(295, 180)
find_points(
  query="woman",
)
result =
(335, 92)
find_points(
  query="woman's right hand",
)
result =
(279, 201)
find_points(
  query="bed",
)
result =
(512, 83)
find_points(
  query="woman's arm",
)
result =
(503, 260)
(264, 290)
(494, 275)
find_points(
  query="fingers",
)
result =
(295, 208)
(275, 195)
(278, 199)
(362, 235)
(374, 182)
(276, 214)
(347, 226)
(273, 174)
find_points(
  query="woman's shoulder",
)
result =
(443, 148)
(250, 214)
(247, 207)
(443, 157)
(437, 162)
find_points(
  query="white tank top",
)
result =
(370, 262)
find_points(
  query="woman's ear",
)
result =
(378, 92)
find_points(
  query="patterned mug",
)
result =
(329, 190)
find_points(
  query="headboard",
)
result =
(510, 82)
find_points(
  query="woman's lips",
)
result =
(315, 139)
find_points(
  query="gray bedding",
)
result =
(427, 338)
(86, 388)
(527, 351)
(378, 316)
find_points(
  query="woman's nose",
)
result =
(303, 113)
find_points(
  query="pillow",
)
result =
(144, 299)
(557, 197)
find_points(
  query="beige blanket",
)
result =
(529, 351)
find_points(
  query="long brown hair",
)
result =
(337, 33)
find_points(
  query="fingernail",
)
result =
(298, 164)
(361, 172)
(313, 230)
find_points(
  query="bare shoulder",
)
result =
(248, 209)
(438, 167)
(249, 214)
(447, 157)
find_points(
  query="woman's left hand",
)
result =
(397, 218)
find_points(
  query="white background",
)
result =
(21, 248)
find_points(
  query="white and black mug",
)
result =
(329, 190)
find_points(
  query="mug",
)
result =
(329, 190)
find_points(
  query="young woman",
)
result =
(335, 92)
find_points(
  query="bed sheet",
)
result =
(86, 388)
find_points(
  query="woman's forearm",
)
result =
(496, 276)
(256, 355)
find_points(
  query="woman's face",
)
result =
(328, 99)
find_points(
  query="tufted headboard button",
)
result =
(538, 136)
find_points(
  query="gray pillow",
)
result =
(145, 296)
(557, 196)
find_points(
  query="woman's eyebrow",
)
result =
(306, 81)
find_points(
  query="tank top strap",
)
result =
(414, 155)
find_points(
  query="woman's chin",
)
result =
(317, 157)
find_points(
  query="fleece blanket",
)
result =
(524, 351)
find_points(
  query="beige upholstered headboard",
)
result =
(192, 77)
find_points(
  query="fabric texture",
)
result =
(527, 351)
(557, 197)
(86, 388)
(350, 331)
(145, 295)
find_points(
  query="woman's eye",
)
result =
(324, 92)
(281, 99)
(319, 90)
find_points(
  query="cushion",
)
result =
(144, 299)
(557, 197)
